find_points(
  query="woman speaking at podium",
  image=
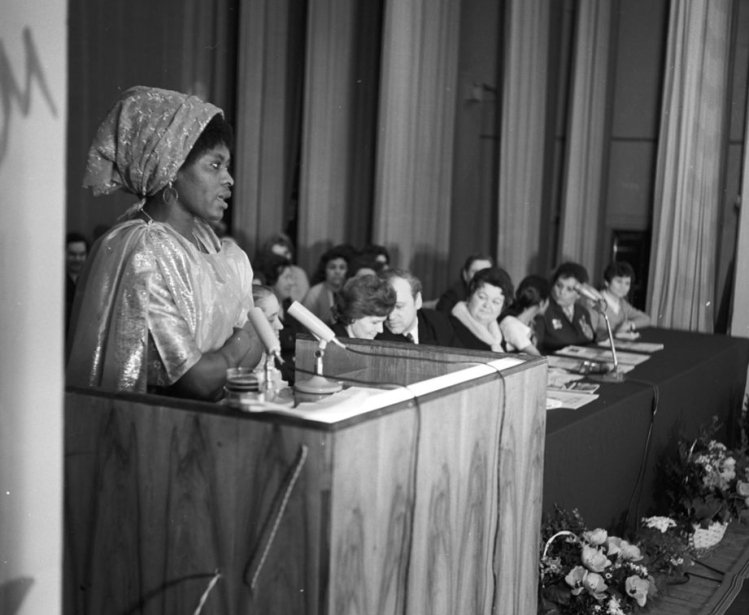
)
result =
(162, 304)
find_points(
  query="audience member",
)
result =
(565, 321)
(280, 244)
(475, 319)
(362, 305)
(76, 251)
(624, 318)
(459, 290)
(328, 279)
(516, 323)
(276, 273)
(410, 321)
(265, 298)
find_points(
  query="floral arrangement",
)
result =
(589, 572)
(667, 549)
(707, 483)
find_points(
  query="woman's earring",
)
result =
(170, 194)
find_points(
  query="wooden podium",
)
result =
(422, 495)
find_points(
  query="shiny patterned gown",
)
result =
(150, 303)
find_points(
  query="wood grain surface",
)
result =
(432, 507)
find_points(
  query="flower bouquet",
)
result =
(667, 549)
(707, 486)
(589, 572)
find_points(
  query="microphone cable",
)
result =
(637, 489)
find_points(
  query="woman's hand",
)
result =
(205, 379)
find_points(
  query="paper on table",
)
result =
(568, 399)
(593, 353)
(576, 365)
(636, 346)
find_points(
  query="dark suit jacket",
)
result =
(434, 330)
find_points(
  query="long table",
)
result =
(594, 455)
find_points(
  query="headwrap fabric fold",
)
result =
(144, 140)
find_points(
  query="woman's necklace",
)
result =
(146, 214)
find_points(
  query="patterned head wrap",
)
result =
(144, 140)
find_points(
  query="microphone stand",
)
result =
(318, 385)
(615, 375)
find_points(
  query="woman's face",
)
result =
(271, 308)
(205, 185)
(619, 286)
(486, 303)
(285, 284)
(564, 292)
(335, 272)
(367, 327)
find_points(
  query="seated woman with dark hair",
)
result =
(566, 321)
(362, 305)
(475, 319)
(624, 318)
(516, 323)
(331, 273)
(459, 290)
(281, 245)
(275, 271)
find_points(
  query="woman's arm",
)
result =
(633, 318)
(206, 378)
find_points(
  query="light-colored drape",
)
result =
(690, 154)
(416, 127)
(327, 127)
(261, 151)
(740, 306)
(582, 202)
(524, 95)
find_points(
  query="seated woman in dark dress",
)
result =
(459, 290)
(566, 321)
(361, 306)
(475, 319)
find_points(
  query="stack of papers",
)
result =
(594, 353)
(636, 346)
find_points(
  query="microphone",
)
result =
(265, 333)
(587, 291)
(316, 326)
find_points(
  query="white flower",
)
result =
(595, 537)
(613, 607)
(662, 524)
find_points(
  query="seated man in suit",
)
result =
(409, 322)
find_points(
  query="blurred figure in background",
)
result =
(76, 251)
(459, 290)
(410, 321)
(331, 273)
(475, 319)
(565, 321)
(624, 318)
(516, 323)
(280, 244)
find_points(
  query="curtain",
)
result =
(266, 106)
(522, 149)
(324, 185)
(582, 196)
(687, 193)
(413, 180)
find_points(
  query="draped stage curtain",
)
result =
(524, 138)
(324, 185)
(266, 120)
(689, 169)
(580, 231)
(413, 178)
